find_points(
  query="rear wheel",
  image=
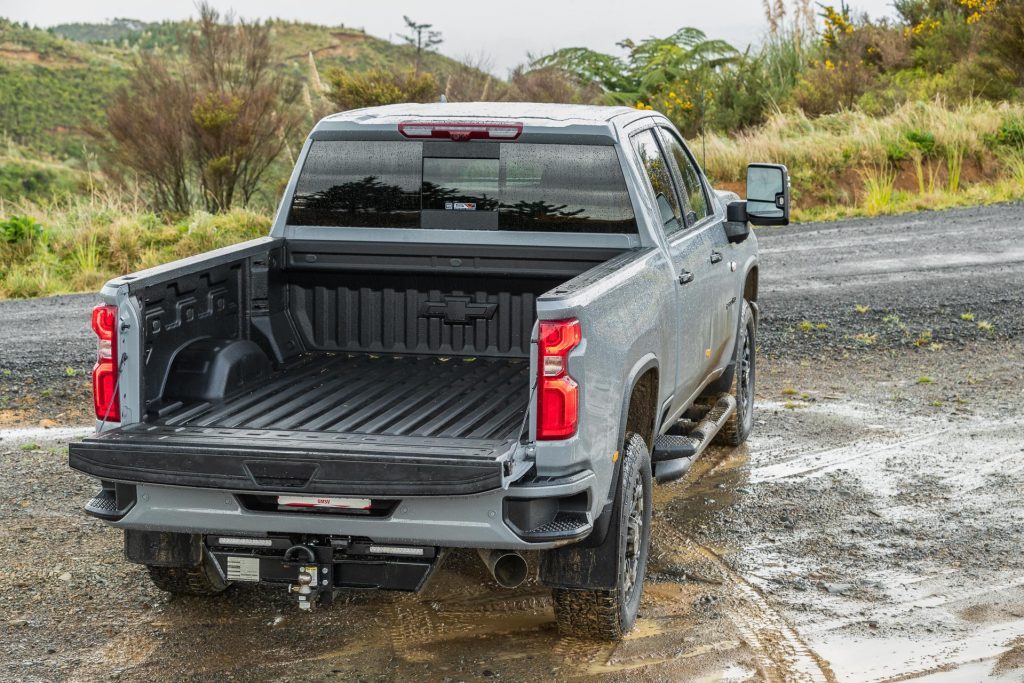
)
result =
(737, 428)
(201, 580)
(610, 614)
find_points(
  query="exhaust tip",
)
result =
(508, 567)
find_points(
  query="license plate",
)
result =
(325, 502)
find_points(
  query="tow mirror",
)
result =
(767, 194)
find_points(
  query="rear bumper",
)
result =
(471, 521)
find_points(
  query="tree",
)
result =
(675, 73)
(649, 66)
(422, 38)
(205, 132)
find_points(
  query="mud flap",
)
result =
(592, 563)
(162, 548)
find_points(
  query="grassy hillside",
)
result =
(53, 87)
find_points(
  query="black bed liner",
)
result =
(477, 398)
(334, 423)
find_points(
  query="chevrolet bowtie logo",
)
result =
(457, 310)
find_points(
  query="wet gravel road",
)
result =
(871, 528)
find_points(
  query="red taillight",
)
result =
(104, 373)
(461, 130)
(558, 395)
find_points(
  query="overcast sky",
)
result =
(501, 32)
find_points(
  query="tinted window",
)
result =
(693, 189)
(359, 184)
(564, 188)
(531, 187)
(654, 163)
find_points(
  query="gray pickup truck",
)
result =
(480, 325)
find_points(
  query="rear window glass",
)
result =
(530, 187)
(460, 184)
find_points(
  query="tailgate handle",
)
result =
(289, 475)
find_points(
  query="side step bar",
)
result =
(674, 453)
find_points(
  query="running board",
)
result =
(673, 454)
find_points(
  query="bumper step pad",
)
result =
(675, 452)
(111, 504)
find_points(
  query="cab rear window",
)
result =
(518, 186)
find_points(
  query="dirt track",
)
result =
(871, 529)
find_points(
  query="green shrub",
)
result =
(921, 140)
(1011, 133)
(940, 45)
(895, 152)
(20, 230)
(350, 90)
(830, 87)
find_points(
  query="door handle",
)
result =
(716, 256)
(685, 277)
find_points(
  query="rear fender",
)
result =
(592, 563)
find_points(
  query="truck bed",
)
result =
(334, 423)
(421, 396)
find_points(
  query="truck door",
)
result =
(689, 252)
(720, 284)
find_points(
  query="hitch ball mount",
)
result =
(313, 581)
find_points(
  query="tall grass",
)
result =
(879, 188)
(858, 149)
(954, 166)
(85, 241)
(917, 157)
(853, 138)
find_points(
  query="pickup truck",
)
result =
(484, 326)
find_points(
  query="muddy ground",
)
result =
(871, 528)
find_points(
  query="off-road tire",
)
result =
(201, 580)
(610, 614)
(737, 428)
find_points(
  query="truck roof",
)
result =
(532, 113)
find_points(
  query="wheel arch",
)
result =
(586, 564)
(750, 283)
(748, 293)
(640, 401)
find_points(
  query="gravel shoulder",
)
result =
(46, 353)
(869, 530)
